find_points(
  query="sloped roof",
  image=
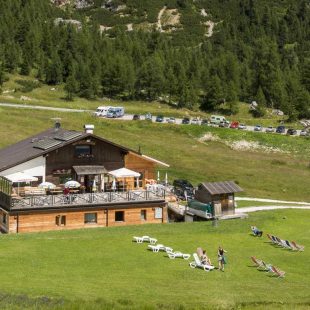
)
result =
(227, 187)
(45, 142)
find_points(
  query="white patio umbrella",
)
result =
(72, 184)
(94, 187)
(158, 179)
(166, 179)
(47, 185)
(20, 177)
(114, 184)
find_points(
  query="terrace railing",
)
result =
(86, 199)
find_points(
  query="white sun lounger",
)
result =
(160, 247)
(145, 239)
(197, 264)
(173, 255)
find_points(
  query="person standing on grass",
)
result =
(221, 258)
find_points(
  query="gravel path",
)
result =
(39, 107)
(271, 200)
(267, 208)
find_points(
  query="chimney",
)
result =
(89, 128)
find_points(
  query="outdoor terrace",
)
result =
(87, 199)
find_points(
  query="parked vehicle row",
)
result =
(215, 120)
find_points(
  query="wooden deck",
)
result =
(50, 201)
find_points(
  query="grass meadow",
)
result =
(103, 268)
(283, 175)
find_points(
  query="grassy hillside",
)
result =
(13, 91)
(103, 269)
(278, 168)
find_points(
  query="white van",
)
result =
(216, 119)
(102, 111)
(114, 112)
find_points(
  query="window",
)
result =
(82, 151)
(4, 218)
(61, 220)
(143, 215)
(90, 218)
(119, 216)
(158, 213)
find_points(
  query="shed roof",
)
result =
(83, 170)
(227, 187)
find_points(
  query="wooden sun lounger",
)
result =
(278, 272)
(257, 262)
(298, 246)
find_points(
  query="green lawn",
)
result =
(102, 268)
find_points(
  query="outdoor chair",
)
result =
(145, 239)
(298, 246)
(275, 240)
(159, 247)
(290, 245)
(257, 262)
(197, 264)
(285, 245)
(173, 255)
(278, 272)
(267, 267)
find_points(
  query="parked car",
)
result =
(269, 129)
(304, 133)
(195, 121)
(159, 119)
(148, 116)
(183, 189)
(186, 120)
(136, 117)
(224, 124)
(114, 112)
(102, 111)
(280, 129)
(234, 125)
(291, 132)
(242, 126)
(204, 122)
(258, 128)
(216, 119)
(171, 120)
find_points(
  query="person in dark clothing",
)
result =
(256, 231)
(221, 258)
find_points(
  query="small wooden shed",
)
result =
(220, 194)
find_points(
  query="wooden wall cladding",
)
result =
(46, 221)
(139, 164)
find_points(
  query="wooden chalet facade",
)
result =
(220, 194)
(58, 155)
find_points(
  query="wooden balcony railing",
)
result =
(86, 199)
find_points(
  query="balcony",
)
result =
(88, 199)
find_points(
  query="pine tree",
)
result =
(71, 87)
(2, 74)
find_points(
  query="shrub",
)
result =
(27, 85)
